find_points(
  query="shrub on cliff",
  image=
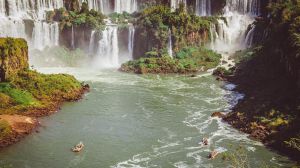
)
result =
(85, 18)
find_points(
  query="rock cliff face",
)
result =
(13, 57)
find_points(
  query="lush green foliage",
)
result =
(282, 27)
(46, 87)
(186, 29)
(188, 60)
(17, 96)
(121, 18)
(86, 18)
(32, 89)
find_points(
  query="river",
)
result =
(129, 120)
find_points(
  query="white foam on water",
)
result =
(181, 164)
(251, 148)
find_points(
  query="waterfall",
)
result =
(249, 36)
(98, 5)
(14, 14)
(244, 6)
(129, 6)
(170, 49)
(131, 33)
(175, 3)
(229, 34)
(92, 42)
(239, 14)
(108, 49)
(203, 7)
(73, 38)
(12, 28)
(45, 34)
(2, 7)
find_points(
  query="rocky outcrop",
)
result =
(13, 57)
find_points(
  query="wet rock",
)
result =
(224, 62)
(218, 114)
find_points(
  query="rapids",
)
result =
(138, 121)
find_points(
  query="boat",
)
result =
(78, 147)
(205, 141)
(213, 154)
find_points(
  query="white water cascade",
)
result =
(170, 49)
(72, 38)
(203, 7)
(249, 37)
(175, 3)
(108, 49)
(45, 34)
(98, 5)
(229, 36)
(129, 6)
(92, 42)
(131, 33)
(19, 12)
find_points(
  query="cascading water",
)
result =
(15, 13)
(45, 34)
(129, 6)
(98, 5)
(170, 49)
(229, 36)
(108, 49)
(73, 38)
(108, 52)
(92, 43)
(203, 7)
(249, 37)
(131, 33)
(250, 7)
(175, 3)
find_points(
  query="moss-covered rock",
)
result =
(13, 57)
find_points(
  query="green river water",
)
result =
(128, 120)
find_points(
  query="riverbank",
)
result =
(269, 111)
(17, 122)
(27, 94)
